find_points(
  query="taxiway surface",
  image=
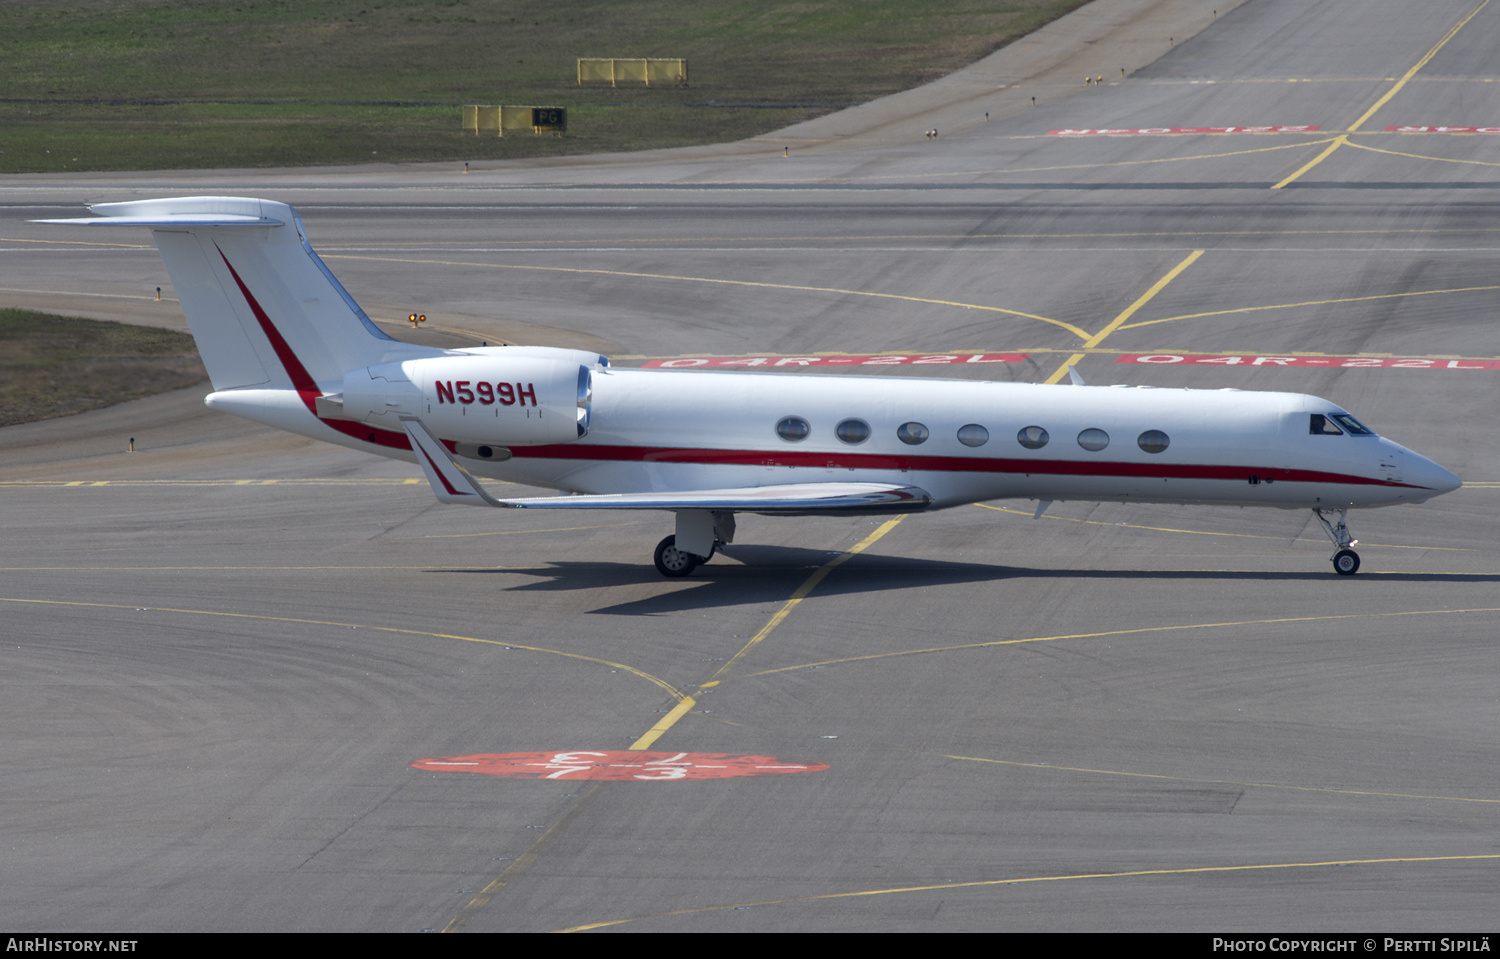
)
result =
(223, 652)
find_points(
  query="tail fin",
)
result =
(263, 307)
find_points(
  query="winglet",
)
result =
(1074, 377)
(451, 483)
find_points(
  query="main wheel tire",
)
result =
(673, 562)
(1346, 562)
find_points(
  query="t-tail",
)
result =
(276, 330)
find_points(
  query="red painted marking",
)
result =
(1342, 362)
(306, 388)
(796, 362)
(1426, 129)
(1157, 131)
(619, 765)
(951, 464)
(438, 472)
(460, 392)
(303, 382)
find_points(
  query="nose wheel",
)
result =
(1345, 560)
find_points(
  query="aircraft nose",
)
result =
(1424, 472)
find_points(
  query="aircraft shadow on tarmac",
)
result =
(768, 574)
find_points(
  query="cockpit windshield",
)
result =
(1337, 424)
(1351, 425)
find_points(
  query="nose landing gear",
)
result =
(1345, 560)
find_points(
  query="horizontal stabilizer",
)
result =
(183, 220)
(180, 212)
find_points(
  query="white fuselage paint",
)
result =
(286, 345)
(663, 431)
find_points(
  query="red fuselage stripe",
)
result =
(302, 381)
(943, 464)
(308, 391)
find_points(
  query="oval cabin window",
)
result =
(912, 434)
(1032, 437)
(1153, 441)
(852, 431)
(973, 435)
(1093, 440)
(793, 429)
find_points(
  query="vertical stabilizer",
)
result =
(263, 307)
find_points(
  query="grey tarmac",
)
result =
(222, 652)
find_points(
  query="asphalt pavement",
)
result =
(224, 652)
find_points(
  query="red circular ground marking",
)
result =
(616, 764)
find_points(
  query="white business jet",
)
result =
(287, 346)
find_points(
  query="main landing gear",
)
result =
(1345, 560)
(701, 532)
(673, 562)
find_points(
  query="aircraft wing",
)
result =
(454, 484)
(792, 499)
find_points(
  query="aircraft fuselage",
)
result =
(286, 345)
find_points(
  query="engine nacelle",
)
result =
(595, 361)
(483, 399)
